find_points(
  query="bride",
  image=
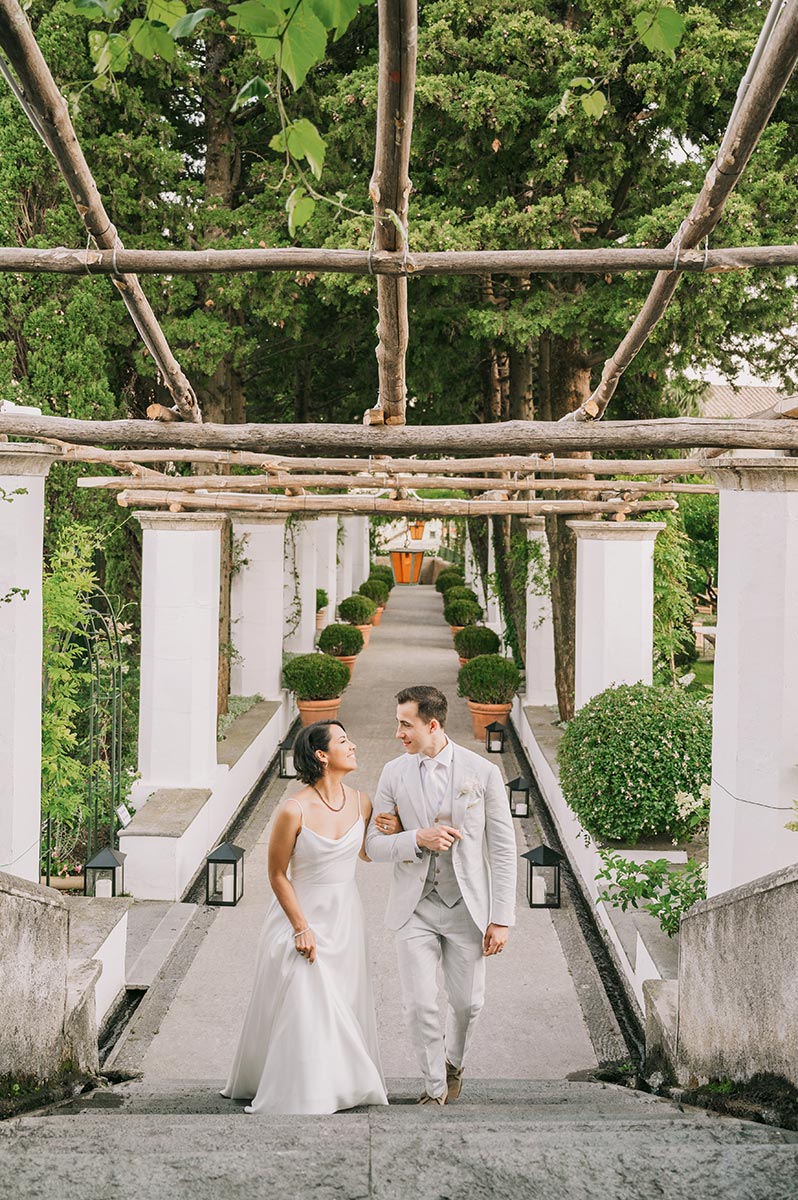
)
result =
(309, 1042)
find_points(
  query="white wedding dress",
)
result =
(309, 1042)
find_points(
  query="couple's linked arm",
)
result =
(388, 847)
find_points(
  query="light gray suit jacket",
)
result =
(484, 860)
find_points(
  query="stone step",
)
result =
(159, 945)
(394, 1154)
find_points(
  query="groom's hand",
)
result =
(437, 837)
(495, 939)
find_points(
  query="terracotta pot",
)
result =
(318, 710)
(483, 715)
(348, 660)
(321, 618)
(462, 661)
(456, 629)
(375, 620)
(366, 631)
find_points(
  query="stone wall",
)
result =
(738, 983)
(33, 978)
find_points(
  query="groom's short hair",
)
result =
(431, 703)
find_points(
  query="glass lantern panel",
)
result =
(519, 804)
(496, 742)
(101, 883)
(544, 886)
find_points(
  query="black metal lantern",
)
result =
(494, 737)
(224, 875)
(543, 877)
(104, 874)
(518, 793)
(287, 768)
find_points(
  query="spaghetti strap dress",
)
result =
(309, 1041)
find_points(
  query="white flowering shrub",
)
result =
(635, 761)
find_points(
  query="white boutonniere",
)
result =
(470, 789)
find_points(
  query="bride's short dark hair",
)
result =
(310, 739)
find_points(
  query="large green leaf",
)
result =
(304, 44)
(253, 89)
(304, 141)
(111, 52)
(187, 24)
(335, 14)
(150, 39)
(257, 16)
(165, 11)
(660, 30)
(299, 207)
(594, 104)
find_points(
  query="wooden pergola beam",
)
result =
(380, 464)
(47, 110)
(749, 119)
(62, 260)
(390, 194)
(401, 483)
(508, 437)
(403, 506)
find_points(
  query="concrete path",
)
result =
(532, 1027)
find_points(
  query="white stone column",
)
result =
(326, 562)
(755, 706)
(493, 612)
(23, 469)
(361, 553)
(470, 571)
(256, 606)
(299, 588)
(540, 686)
(614, 604)
(179, 649)
(345, 559)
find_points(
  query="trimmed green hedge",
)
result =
(451, 577)
(322, 599)
(627, 753)
(341, 639)
(460, 593)
(385, 573)
(315, 677)
(474, 640)
(489, 679)
(462, 612)
(357, 610)
(376, 590)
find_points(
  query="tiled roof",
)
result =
(722, 400)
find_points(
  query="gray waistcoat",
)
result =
(440, 873)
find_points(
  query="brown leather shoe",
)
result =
(427, 1099)
(454, 1081)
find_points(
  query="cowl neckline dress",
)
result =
(309, 1041)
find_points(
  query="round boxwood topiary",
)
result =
(451, 577)
(315, 677)
(462, 612)
(357, 610)
(341, 640)
(474, 640)
(626, 754)
(380, 572)
(489, 679)
(460, 593)
(322, 599)
(375, 589)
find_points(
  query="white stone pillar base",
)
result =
(23, 469)
(256, 606)
(755, 707)
(179, 649)
(614, 604)
(539, 673)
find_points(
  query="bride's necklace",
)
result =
(327, 803)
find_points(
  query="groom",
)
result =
(453, 891)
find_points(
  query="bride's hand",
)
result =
(306, 945)
(388, 822)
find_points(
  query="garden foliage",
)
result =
(315, 676)
(489, 679)
(472, 640)
(341, 640)
(628, 754)
(357, 610)
(462, 612)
